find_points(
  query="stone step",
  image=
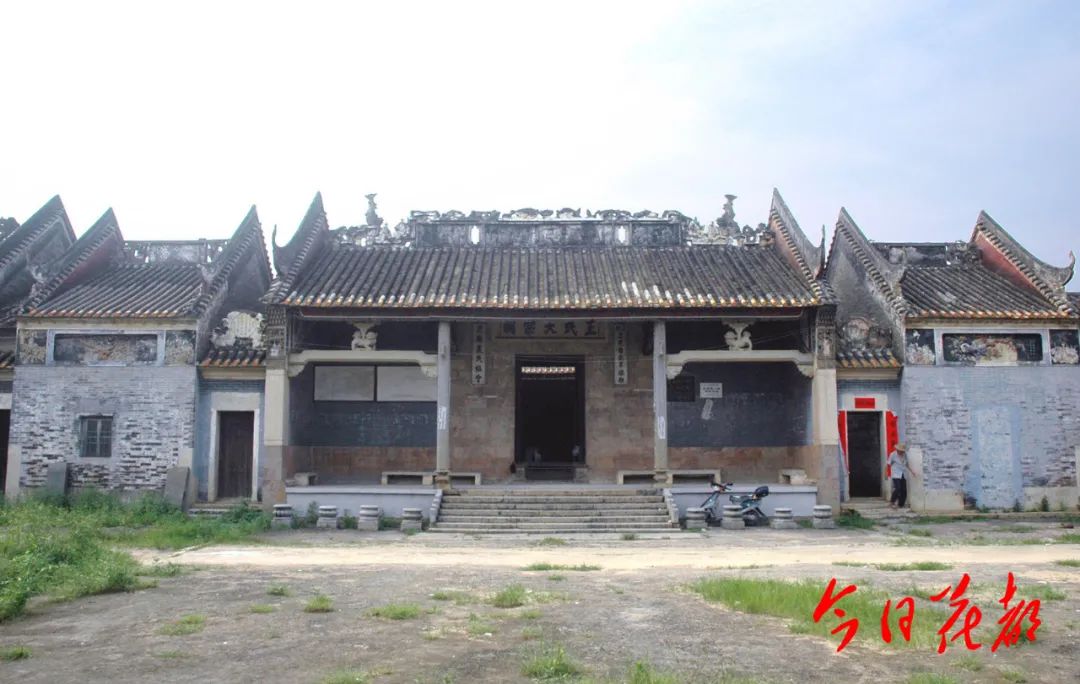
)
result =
(514, 520)
(538, 506)
(553, 499)
(551, 511)
(584, 493)
(550, 530)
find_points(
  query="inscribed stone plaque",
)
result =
(405, 383)
(711, 390)
(344, 383)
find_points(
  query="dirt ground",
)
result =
(634, 608)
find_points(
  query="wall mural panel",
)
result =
(105, 350)
(982, 349)
(919, 347)
(1065, 347)
(32, 345)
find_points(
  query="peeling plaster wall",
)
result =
(992, 432)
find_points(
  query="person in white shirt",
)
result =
(899, 470)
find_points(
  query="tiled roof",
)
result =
(706, 276)
(7, 360)
(868, 358)
(1074, 301)
(234, 358)
(969, 290)
(157, 290)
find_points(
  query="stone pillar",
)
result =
(660, 437)
(826, 435)
(442, 415)
(275, 434)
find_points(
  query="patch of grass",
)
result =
(556, 578)
(189, 624)
(12, 653)
(349, 522)
(1068, 562)
(478, 626)
(804, 523)
(1013, 676)
(930, 678)
(461, 598)
(552, 541)
(389, 523)
(319, 603)
(796, 602)
(850, 564)
(550, 663)
(854, 520)
(547, 567)
(1015, 529)
(1043, 592)
(262, 608)
(173, 655)
(278, 590)
(629, 536)
(969, 662)
(347, 677)
(920, 533)
(1070, 538)
(530, 614)
(510, 597)
(396, 611)
(162, 570)
(532, 632)
(645, 673)
(919, 566)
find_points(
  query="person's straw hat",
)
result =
(901, 447)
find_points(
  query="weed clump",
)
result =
(510, 597)
(320, 603)
(396, 611)
(550, 663)
(189, 624)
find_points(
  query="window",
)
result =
(95, 436)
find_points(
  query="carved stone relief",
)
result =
(366, 336)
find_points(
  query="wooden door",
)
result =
(236, 430)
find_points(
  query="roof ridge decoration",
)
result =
(216, 274)
(51, 214)
(100, 237)
(1048, 280)
(794, 245)
(305, 244)
(725, 230)
(375, 230)
(885, 275)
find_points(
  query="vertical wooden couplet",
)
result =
(442, 416)
(660, 427)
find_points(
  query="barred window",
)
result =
(95, 436)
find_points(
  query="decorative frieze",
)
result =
(1065, 347)
(984, 349)
(919, 347)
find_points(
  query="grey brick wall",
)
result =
(993, 431)
(153, 411)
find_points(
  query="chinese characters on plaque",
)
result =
(479, 342)
(549, 329)
(618, 333)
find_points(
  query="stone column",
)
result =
(442, 415)
(826, 435)
(660, 438)
(275, 433)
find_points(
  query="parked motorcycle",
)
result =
(749, 504)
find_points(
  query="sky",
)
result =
(913, 115)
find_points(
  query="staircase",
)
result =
(543, 510)
(876, 509)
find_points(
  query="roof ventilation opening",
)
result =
(474, 235)
(363, 242)
(620, 235)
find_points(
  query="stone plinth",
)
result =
(327, 518)
(367, 518)
(411, 520)
(282, 519)
(782, 519)
(732, 519)
(823, 519)
(695, 518)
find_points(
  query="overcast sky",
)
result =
(913, 115)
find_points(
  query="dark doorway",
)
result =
(864, 452)
(550, 418)
(236, 429)
(5, 424)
